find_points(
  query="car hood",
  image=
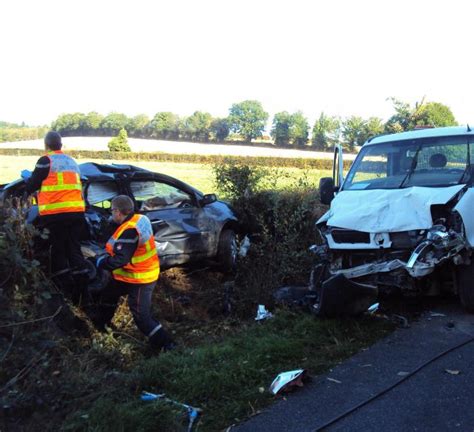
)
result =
(385, 210)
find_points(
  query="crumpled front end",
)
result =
(351, 260)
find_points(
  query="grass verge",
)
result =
(229, 378)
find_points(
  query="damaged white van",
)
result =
(402, 219)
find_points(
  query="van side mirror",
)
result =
(326, 190)
(208, 199)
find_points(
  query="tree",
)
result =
(280, 132)
(436, 114)
(326, 131)
(248, 119)
(354, 132)
(137, 126)
(165, 125)
(373, 126)
(69, 124)
(113, 123)
(299, 129)
(197, 127)
(422, 114)
(220, 129)
(120, 142)
(92, 122)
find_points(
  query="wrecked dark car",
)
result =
(402, 220)
(189, 226)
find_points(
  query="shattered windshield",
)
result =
(427, 162)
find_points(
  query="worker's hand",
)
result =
(25, 174)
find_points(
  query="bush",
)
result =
(120, 142)
(238, 180)
(280, 225)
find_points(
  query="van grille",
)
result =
(349, 236)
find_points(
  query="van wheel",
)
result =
(227, 251)
(465, 285)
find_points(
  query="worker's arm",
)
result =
(124, 248)
(40, 172)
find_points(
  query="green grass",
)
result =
(229, 379)
(198, 175)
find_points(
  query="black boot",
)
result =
(161, 340)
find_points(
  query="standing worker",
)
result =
(61, 208)
(133, 260)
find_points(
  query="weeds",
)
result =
(229, 379)
(280, 225)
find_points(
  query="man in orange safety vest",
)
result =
(61, 207)
(133, 261)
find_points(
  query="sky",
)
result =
(340, 57)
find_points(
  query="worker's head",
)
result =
(122, 207)
(52, 141)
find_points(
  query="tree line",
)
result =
(247, 120)
(20, 132)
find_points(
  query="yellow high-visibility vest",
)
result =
(144, 267)
(61, 191)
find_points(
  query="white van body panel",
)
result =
(465, 207)
(390, 210)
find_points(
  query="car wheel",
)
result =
(465, 284)
(227, 250)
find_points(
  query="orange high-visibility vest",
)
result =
(144, 267)
(61, 191)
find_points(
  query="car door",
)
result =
(182, 229)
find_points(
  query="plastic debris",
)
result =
(244, 246)
(334, 380)
(437, 314)
(452, 372)
(285, 380)
(374, 308)
(403, 373)
(263, 313)
(193, 413)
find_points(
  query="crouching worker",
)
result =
(133, 260)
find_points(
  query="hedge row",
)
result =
(303, 163)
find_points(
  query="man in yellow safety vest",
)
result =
(133, 260)
(61, 207)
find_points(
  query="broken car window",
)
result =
(153, 195)
(100, 194)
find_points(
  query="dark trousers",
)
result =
(139, 302)
(68, 266)
(65, 246)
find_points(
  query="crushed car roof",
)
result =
(95, 171)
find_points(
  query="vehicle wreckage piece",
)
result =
(341, 296)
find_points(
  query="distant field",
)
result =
(145, 145)
(198, 175)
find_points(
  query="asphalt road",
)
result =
(439, 397)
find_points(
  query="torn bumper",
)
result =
(438, 247)
(341, 296)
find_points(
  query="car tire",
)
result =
(465, 285)
(227, 251)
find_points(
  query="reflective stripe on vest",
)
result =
(144, 266)
(61, 190)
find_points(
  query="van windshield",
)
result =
(431, 162)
